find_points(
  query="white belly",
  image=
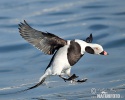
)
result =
(60, 62)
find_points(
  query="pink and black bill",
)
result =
(104, 53)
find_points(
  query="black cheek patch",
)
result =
(88, 49)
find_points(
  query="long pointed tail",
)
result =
(42, 79)
(39, 83)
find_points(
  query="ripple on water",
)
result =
(119, 13)
(8, 26)
(98, 27)
(53, 24)
(60, 13)
(94, 6)
(5, 70)
(13, 47)
(4, 17)
(115, 43)
(101, 36)
(95, 18)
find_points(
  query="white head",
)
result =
(95, 49)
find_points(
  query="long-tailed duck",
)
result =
(65, 53)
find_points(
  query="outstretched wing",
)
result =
(89, 39)
(44, 41)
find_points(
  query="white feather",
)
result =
(60, 63)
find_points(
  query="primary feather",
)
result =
(44, 41)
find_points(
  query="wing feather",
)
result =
(44, 41)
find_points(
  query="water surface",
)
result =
(21, 65)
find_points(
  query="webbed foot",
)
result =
(70, 78)
(82, 80)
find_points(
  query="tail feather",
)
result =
(38, 84)
(42, 79)
(26, 89)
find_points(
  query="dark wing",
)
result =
(89, 39)
(44, 41)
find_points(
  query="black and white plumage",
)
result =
(66, 53)
(46, 42)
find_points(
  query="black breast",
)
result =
(74, 53)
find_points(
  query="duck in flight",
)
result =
(65, 53)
